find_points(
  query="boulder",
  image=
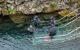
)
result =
(36, 6)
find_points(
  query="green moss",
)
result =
(54, 6)
(1, 4)
(11, 11)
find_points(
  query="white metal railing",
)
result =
(64, 34)
(67, 15)
(60, 38)
(68, 19)
(68, 28)
(72, 28)
(59, 21)
(69, 23)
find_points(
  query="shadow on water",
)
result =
(8, 27)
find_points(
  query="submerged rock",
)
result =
(18, 19)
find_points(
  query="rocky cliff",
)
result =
(35, 6)
(17, 9)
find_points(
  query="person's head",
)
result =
(35, 17)
(31, 26)
(52, 18)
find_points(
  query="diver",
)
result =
(36, 21)
(52, 28)
(30, 30)
(32, 26)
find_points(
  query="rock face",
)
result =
(14, 8)
(35, 6)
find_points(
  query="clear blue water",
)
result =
(16, 38)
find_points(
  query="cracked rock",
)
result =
(38, 6)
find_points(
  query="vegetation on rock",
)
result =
(11, 11)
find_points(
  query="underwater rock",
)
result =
(18, 19)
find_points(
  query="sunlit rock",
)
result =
(10, 1)
(64, 12)
(4, 11)
(39, 6)
(67, 12)
(17, 2)
(1, 0)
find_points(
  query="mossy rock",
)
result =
(54, 6)
(66, 12)
(5, 11)
(17, 18)
(1, 0)
(8, 11)
(72, 1)
(50, 8)
(2, 4)
(11, 11)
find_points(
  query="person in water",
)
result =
(36, 21)
(30, 30)
(52, 28)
